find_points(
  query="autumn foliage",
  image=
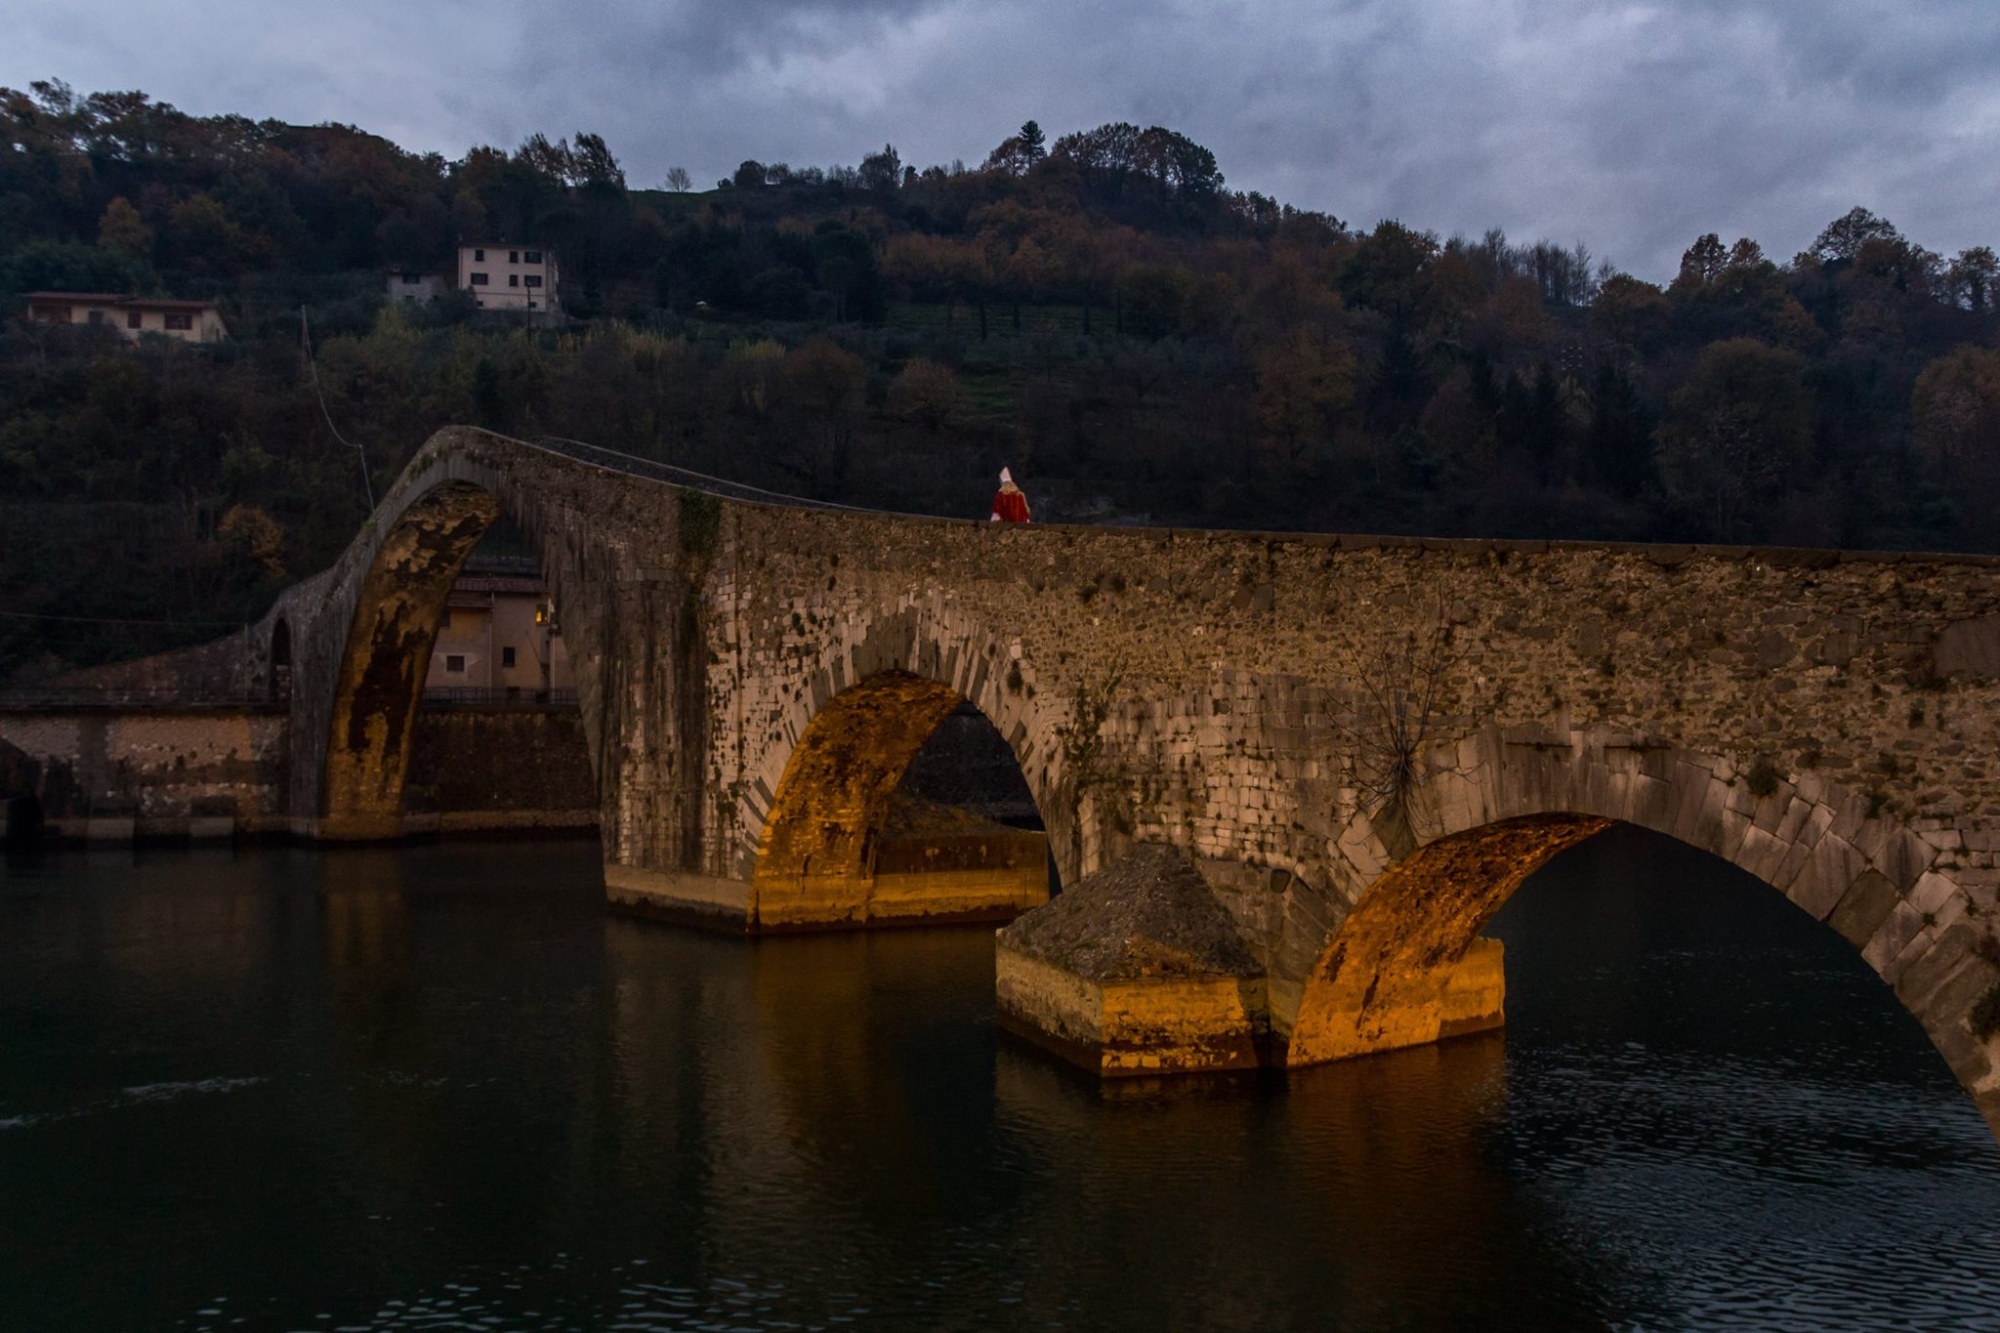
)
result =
(1097, 309)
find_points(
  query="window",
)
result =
(479, 279)
(455, 663)
(513, 256)
(513, 280)
(479, 256)
(533, 279)
(446, 622)
(96, 316)
(534, 256)
(506, 657)
(133, 319)
(182, 322)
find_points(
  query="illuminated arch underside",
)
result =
(1408, 965)
(820, 861)
(388, 655)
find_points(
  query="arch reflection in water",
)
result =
(491, 1104)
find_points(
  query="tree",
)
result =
(825, 378)
(1113, 156)
(1621, 433)
(1955, 408)
(201, 236)
(554, 162)
(250, 529)
(593, 164)
(1845, 235)
(678, 180)
(1630, 311)
(1388, 271)
(1032, 142)
(1737, 431)
(1973, 276)
(845, 264)
(882, 172)
(928, 392)
(48, 266)
(1702, 263)
(749, 175)
(123, 231)
(1301, 382)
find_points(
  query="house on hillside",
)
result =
(509, 277)
(132, 316)
(498, 638)
(412, 287)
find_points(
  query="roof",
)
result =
(121, 298)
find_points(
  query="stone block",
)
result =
(1864, 907)
(1931, 892)
(1892, 941)
(1903, 856)
(1924, 979)
(1830, 870)
(1136, 970)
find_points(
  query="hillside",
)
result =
(1101, 312)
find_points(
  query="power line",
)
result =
(305, 338)
(801, 501)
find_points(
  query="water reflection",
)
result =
(436, 1085)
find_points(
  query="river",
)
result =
(438, 1087)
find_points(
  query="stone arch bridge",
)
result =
(1364, 743)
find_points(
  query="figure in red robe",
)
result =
(1009, 506)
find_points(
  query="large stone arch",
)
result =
(371, 626)
(389, 642)
(814, 814)
(1407, 964)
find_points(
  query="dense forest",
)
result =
(1139, 342)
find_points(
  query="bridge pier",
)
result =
(924, 865)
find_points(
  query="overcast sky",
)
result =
(1631, 127)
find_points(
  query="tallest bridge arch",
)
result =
(361, 635)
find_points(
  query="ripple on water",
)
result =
(478, 1103)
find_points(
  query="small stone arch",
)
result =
(1406, 964)
(813, 818)
(278, 684)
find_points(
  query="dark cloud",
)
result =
(1632, 126)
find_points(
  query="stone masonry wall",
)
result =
(149, 773)
(524, 766)
(160, 773)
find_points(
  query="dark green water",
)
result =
(438, 1088)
